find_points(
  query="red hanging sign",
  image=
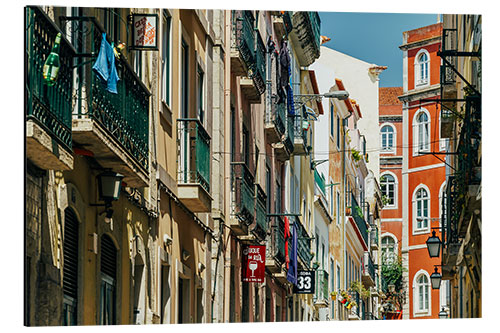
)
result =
(254, 263)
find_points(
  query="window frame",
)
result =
(418, 127)
(166, 60)
(415, 204)
(419, 80)
(392, 148)
(426, 309)
(395, 249)
(394, 205)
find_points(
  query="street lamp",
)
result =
(109, 185)
(302, 99)
(435, 279)
(443, 314)
(340, 94)
(433, 245)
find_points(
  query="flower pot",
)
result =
(349, 306)
(343, 301)
(334, 297)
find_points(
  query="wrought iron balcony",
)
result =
(306, 34)
(48, 109)
(275, 122)
(275, 253)
(193, 163)
(242, 198)
(115, 127)
(260, 229)
(321, 294)
(284, 149)
(359, 219)
(303, 243)
(242, 42)
(255, 85)
(368, 275)
(282, 23)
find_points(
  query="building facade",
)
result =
(461, 86)
(423, 168)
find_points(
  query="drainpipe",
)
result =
(227, 170)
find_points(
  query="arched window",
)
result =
(421, 132)
(388, 189)
(387, 138)
(389, 250)
(421, 209)
(422, 68)
(422, 293)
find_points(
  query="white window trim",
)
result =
(416, 311)
(419, 82)
(415, 230)
(396, 245)
(416, 132)
(164, 23)
(396, 192)
(393, 149)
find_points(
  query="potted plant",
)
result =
(333, 295)
(348, 210)
(359, 212)
(315, 265)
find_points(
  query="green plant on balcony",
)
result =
(392, 273)
(359, 211)
(333, 295)
(358, 286)
(356, 155)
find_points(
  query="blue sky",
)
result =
(373, 37)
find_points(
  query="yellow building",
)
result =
(461, 126)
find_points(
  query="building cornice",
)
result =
(420, 43)
(417, 94)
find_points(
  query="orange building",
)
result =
(423, 169)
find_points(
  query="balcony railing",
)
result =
(243, 193)
(321, 286)
(276, 240)
(260, 213)
(360, 221)
(125, 115)
(50, 107)
(306, 30)
(368, 266)
(290, 134)
(244, 35)
(193, 144)
(303, 243)
(258, 69)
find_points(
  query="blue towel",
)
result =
(105, 65)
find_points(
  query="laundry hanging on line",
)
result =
(105, 67)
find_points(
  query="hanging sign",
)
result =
(144, 31)
(305, 282)
(254, 263)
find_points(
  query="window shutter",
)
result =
(108, 257)
(70, 248)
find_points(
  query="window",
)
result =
(421, 133)
(200, 76)
(422, 68)
(422, 296)
(338, 132)
(388, 188)
(387, 138)
(332, 121)
(184, 80)
(388, 250)
(70, 268)
(166, 56)
(421, 211)
(107, 314)
(338, 207)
